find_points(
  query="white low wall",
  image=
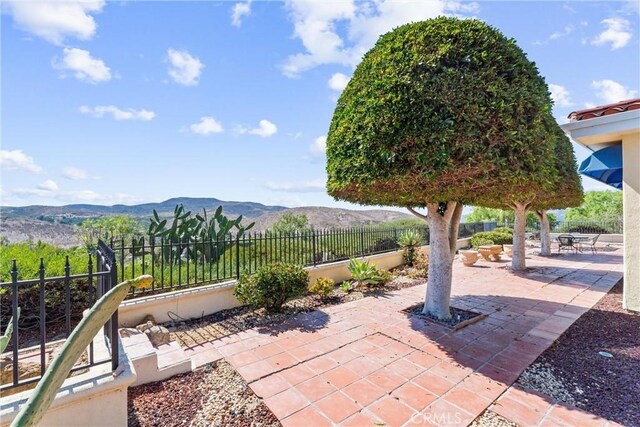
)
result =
(94, 398)
(209, 299)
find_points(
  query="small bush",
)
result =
(272, 285)
(503, 230)
(345, 287)
(491, 238)
(322, 287)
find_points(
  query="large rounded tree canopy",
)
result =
(439, 110)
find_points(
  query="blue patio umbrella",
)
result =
(605, 165)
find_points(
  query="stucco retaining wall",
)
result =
(94, 398)
(205, 300)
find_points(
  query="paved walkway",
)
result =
(368, 363)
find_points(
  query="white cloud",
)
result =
(319, 147)
(317, 185)
(49, 185)
(74, 174)
(56, 20)
(206, 126)
(238, 11)
(560, 95)
(16, 159)
(83, 66)
(265, 129)
(184, 69)
(100, 111)
(338, 82)
(316, 24)
(611, 91)
(617, 33)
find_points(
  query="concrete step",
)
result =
(154, 363)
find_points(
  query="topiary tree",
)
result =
(438, 114)
(567, 190)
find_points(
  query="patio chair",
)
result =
(591, 243)
(566, 242)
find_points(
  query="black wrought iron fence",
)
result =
(195, 262)
(583, 227)
(50, 307)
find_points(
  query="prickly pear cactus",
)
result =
(4, 340)
(33, 411)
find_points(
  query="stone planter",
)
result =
(468, 257)
(490, 252)
(508, 250)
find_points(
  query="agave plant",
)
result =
(410, 240)
(364, 273)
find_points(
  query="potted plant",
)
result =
(468, 256)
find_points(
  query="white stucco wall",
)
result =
(631, 206)
(205, 300)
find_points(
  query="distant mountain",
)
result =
(57, 224)
(323, 217)
(165, 208)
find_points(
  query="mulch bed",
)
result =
(459, 317)
(215, 395)
(572, 370)
(192, 332)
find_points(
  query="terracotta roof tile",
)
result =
(605, 110)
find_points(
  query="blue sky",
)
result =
(127, 102)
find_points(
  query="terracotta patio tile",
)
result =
(286, 403)
(484, 386)
(434, 383)
(422, 359)
(268, 386)
(321, 364)
(256, 370)
(343, 355)
(268, 350)
(282, 361)
(414, 396)
(306, 417)
(388, 381)
(297, 374)
(243, 358)
(467, 400)
(452, 372)
(363, 366)
(498, 374)
(391, 411)
(443, 413)
(575, 416)
(337, 406)
(305, 353)
(361, 419)
(315, 388)
(404, 368)
(517, 412)
(341, 376)
(364, 392)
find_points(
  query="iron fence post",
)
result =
(313, 243)
(237, 257)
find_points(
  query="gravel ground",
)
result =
(215, 395)
(491, 419)
(191, 332)
(573, 371)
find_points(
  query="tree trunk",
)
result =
(545, 233)
(518, 262)
(440, 261)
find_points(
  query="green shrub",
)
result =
(272, 285)
(491, 238)
(503, 230)
(322, 287)
(410, 240)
